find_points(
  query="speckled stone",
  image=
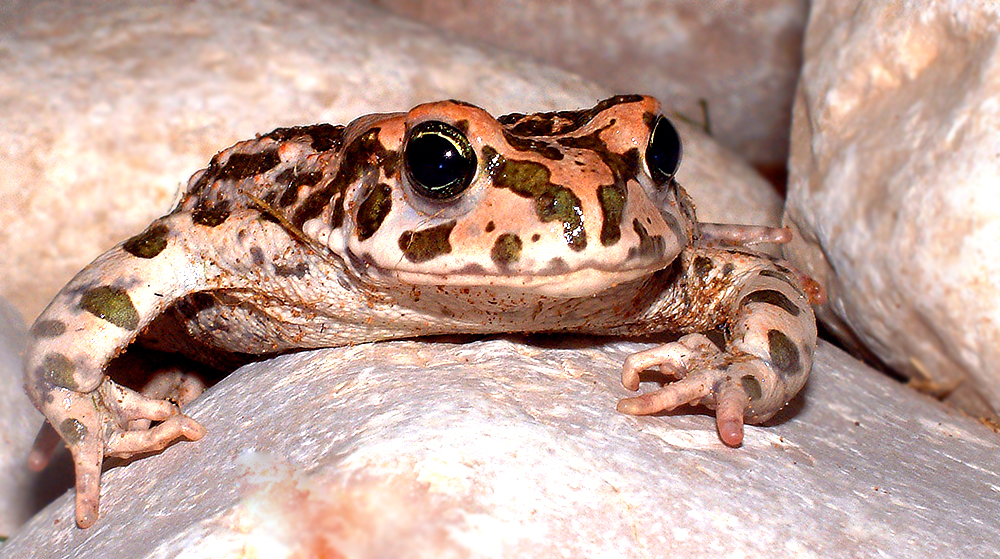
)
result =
(740, 57)
(507, 449)
(105, 111)
(894, 187)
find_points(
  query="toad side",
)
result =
(436, 221)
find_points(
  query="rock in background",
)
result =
(106, 110)
(895, 187)
(741, 58)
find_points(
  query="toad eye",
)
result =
(440, 161)
(663, 155)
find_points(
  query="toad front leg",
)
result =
(768, 334)
(88, 324)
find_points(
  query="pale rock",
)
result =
(511, 449)
(739, 57)
(895, 187)
(20, 492)
(106, 110)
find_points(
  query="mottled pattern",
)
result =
(552, 202)
(322, 235)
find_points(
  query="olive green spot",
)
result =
(784, 354)
(506, 250)
(112, 304)
(58, 370)
(48, 328)
(149, 243)
(210, 215)
(752, 387)
(72, 431)
(612, 200)
(772, 297)
(373, 210)
(427, 244)
(552, 202)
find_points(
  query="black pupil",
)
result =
(663, 155)
(440, 160)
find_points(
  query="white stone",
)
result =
(508, 449)
(895, 186)
(741, 57)
(19, 420)
(106, 110)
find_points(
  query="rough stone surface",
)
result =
(511, 449)
(18, 423)
(106, 110)
(740, 57)
(894, 187)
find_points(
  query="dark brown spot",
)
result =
(241, 166)
(552, 202)
(297, 271)
(541, 147)
(48, 328)
(506, 250)
(650, 246)
(257, 255)
(362, 156)
(779, 276)
(784, 354)
(717, 337)
(58, 370)
(209, 214)
(752, 387)
(111, 304)
(535, 238)
(149, 243)
(624, 166)
(293, 181)
(612, 200)
(426, 244)
(373, 210)
(490, 226)
(772, 297)
(323, 137)
(72, 431)
(561, 122)
(702, 266)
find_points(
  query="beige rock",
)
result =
(740, 57)
(894, 186)
(507, 449)
(105, 111)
